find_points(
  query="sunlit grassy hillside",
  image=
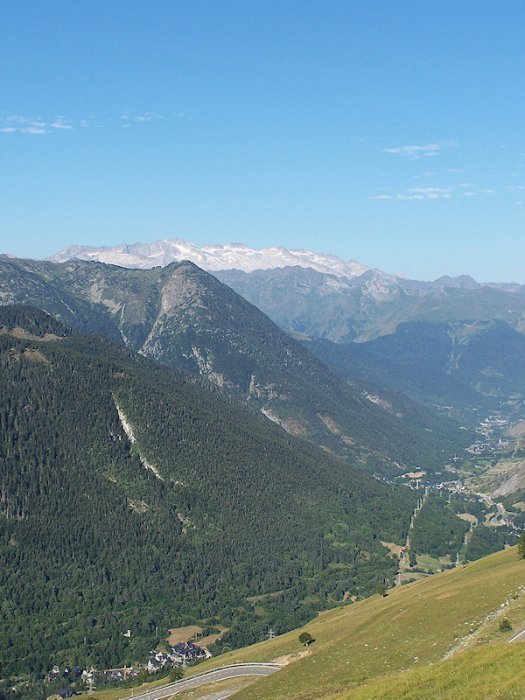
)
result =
(491, 672)
(414, 626)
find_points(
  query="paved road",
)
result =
(218, 694)
(520, 637)
(219, 674)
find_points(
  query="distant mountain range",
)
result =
(373, 304)
(232, 256)
(185, 318)
(321, 295)
(237, 256)
(322, 298)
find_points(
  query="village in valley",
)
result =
(477, 485)
(74, 680)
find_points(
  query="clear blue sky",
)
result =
(389, 132)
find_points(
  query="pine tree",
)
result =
(521, 546)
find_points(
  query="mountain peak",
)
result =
(215, 257)
(460, 282)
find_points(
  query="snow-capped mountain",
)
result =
(232, 256)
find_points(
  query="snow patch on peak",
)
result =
(231, 256)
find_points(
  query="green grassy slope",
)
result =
(494, 672)
(414, 626)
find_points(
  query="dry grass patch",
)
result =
(34, 355)
(289, 658)
(183, 634)
(191, 632)
(393, 548)
(212, 638)
(414, 475)
(468, 517)
(21, 334)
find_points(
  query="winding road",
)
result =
(219, 674)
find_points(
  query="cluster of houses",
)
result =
(490, 428)
(488, 445)
(117, 675)
(70, 675)
(454, 486)
(179, 655)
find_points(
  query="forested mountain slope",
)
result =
(185, 318)
(473, 366)
(132, 499)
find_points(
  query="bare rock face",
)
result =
(515, 482)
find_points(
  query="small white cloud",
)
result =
(424, 175)
(27, 122)
(417, 194)
(146, 117)
(60, 123)
(33, 130)
(427, 193)
(480, 190)
(17, 123)
(426, 151)
(29, 125)
(416, 151)
(17, 119)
